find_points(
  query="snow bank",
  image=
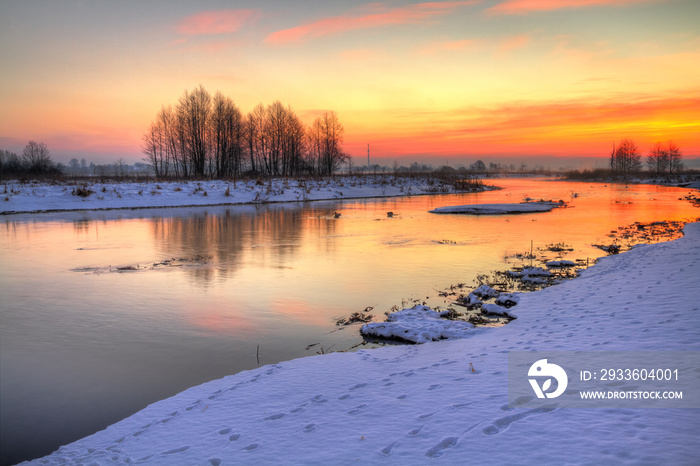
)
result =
(499, 209)
(42, 197)
(442, 400)
(418, 324)
(485, 291)
(508, 299)
(494, 309)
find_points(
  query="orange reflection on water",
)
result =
(298, 311)
(222, 321)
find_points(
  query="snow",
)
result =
(443, 400)
(494, 309)
(470, 300)
(485, 291)
(508, 299)
(31, 197)
(418, 324)
(499, 209)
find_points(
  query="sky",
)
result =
(537, 81)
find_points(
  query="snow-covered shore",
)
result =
(35, 197)
(420, 403)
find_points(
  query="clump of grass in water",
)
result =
(356, 317)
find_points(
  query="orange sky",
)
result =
(437, 81)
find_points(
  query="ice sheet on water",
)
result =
(499, 209)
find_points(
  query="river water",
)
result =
(104, 313)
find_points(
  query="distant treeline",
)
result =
(205, 136)
(663, 159)
(35, 161)
(626, 161)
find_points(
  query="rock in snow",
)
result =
(485, 291)
(494, 309)
(508, 299)
(419, 403)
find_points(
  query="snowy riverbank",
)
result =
(418, 403)
(34, 197)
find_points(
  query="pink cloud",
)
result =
(380, 16)
(528, 6)
(514, 43)
(215, 22)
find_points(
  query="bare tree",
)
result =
(657, 160)
(194, 112)
(626, 159)
(154, 148)
(256, 139)
(209, 136)
(314, 146)
(176, 157)
(36, 157)
(226, 135)
(326, 140)
(675, 158)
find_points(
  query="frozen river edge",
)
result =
(37, 197)
(412, 404)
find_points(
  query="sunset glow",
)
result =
(435, 82)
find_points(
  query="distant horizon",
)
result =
(494, 80)
(554, 163)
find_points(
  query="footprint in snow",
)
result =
(309, 427)
(499, 425)
(175, 450)
(357, 409)
(439, 449)
(386, 451)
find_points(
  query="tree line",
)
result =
(663, 159)
(208, 136)
(35, 161)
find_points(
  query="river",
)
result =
(103, 313)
